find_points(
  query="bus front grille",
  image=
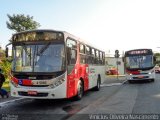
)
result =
(144, 77)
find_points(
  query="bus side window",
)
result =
(103, 57)
(71, 51)
(88, 55)
(71, 54)
(97, 57)
(100, 56)
(82, 54)
(93, 56)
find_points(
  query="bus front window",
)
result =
(38, 58)
(22, 58)
(50, 60)
(135, 62)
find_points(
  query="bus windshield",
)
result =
(47, 57)
(139, 62)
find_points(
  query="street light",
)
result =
(117, 56)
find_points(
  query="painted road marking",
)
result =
(10, 101)
(113, 84)
(110, 84)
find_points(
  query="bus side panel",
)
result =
(79, 72)
(94, 71)
(72, 81)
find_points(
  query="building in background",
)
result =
(112, 62)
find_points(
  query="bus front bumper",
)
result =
(39, 93)
(140, 77)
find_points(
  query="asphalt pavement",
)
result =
(110, 79)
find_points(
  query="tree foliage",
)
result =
(6, 68)
(20, 22)
(157, 56)
(5, 65)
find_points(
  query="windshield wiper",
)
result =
(43, 49)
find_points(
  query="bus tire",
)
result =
(80, 90)
(97, 88)
(152, 80)
(130, 81)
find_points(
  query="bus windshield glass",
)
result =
(139, 62)
(46, 57)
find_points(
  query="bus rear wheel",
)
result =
(97, 88)
(152, 80)
(80, 90)
(130, 81)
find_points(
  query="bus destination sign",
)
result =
(139, 52)
(37, 36)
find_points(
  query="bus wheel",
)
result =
(130, 81)
(97, 88)
(152, 80)
(79, 90)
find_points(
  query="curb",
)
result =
(115, 75)
(113, 84)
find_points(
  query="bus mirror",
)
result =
(6, 52)
(154, 59)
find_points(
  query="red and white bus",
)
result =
(139, 65)
(49, 64)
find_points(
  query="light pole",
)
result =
(117, 56)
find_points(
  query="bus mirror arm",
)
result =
(154, 59)
(6, 52)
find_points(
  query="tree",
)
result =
(157, 56)
(5, 65)
(20, 22)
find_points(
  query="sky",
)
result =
(106, 24)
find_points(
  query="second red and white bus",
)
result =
(50, 64)
(139, 65)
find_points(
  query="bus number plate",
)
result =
(140, 76)
(32, 92)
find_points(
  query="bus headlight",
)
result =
(149, 73)
(14, 84)
(14, 81)
(51, 86)
(57, 83)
